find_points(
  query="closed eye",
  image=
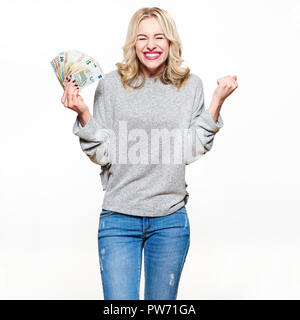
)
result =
(145, 38)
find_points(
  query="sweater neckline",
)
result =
(148, 80)
(151, 79)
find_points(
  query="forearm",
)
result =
(84, 117)
(215, 107)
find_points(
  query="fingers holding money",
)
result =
(71, 98)
(66, 83)
(71, 91)
(75, 86)
(71, 94)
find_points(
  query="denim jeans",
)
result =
(121, 240)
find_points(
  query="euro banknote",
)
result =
(77, 66)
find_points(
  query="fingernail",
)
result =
(74, 80)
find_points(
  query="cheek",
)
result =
(166, 48)
(138, 49)
(166, 52)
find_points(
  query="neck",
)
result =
(152, 73)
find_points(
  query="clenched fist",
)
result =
(71, 98)
(226, 86)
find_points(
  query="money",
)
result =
(78, 66)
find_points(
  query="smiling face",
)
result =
(152, 47)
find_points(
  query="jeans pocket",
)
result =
(182, 210)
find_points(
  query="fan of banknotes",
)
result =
(76, 65)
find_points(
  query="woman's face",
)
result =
(151, 39)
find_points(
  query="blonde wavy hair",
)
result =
(129, 69)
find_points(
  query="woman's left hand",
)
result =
(226, 86)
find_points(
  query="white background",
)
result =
(244, 194)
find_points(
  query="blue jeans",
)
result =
(121, 239)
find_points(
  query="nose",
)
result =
(151, 45)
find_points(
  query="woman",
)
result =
(144, 203)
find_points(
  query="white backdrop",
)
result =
(244, 193)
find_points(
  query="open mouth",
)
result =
(152, 56)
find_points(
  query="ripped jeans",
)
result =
(121, 240)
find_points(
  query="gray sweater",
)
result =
(141, 174)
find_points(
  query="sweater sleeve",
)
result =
(94, 137)
(202, 129)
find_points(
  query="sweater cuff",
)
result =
(87, 132)
(214, 126)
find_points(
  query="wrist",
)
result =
(217, 101)
(83, 112)
(84, 117)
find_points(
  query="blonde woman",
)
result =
(137, 108)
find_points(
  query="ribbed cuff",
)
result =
(90, 132)
(213, 126)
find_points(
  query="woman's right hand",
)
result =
(71, 98)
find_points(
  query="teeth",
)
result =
(152, 54)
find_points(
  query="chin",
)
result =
(153, 64)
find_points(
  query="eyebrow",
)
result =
(156, 34)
